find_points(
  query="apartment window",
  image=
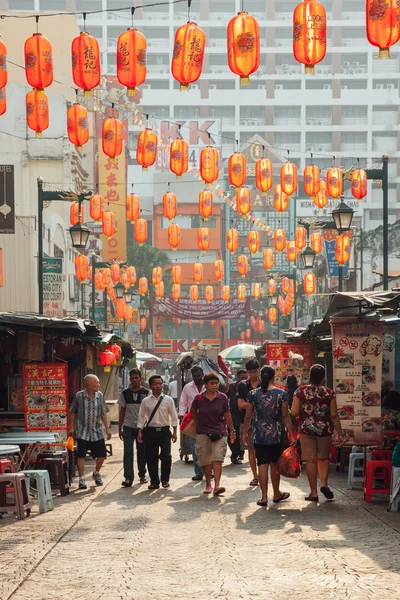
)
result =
(319, 115)
(385, 115)
(161, 112)
(385, 142)
(190, 222)
(229, 6)
(376, 214)
(187, 112)
(319, 84)
(251, 112)
(289, 114)
(156, 84)
(87, 5)
(157, 59)
(318, 141)
(354, 114)
(23, 5)
(287, 140)
(354, 140)
(354, 84)
(223, 112)
(281, 84)
(385, 84)
(354, 63)
(53, 5)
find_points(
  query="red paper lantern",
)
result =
(281, 200)
(131, 60)
(116, 350)
(143, 286)
(119, 304)
(268, 258)
(342, 249)
(243, 265)
(289, 178)
(253, 241)
(105, 360)
(111, 292)
(383, 17)
(209, 293)
(128, 313)
(76, 213)
(241, 292)
(194, 293)
(309, 284)
(81, 267)
(112, 139)
(243, 201)
(312, 180)
(176, 274)
(156, 275)
(86, 62)
(219, 269)
(106, 275)
(321, 199)
(188, 54)
(143, 324)
(226, 293)
(176, 291)
(132, 207)
(146, 150)
(272, 316)
(271, 287)
(334, 181)
(205, 204)
(203, 239)
(131, 275)
(98, 282)
(309, 34)
(316, 242)
(264, 175)
(232, 240)
(159, 289)
(174, 235)
(37, 111)
(279, 240)
(261, 326)
(257, 291)
(242, 336)
(285, 285)
(3, 65)
(179, 157)
(38, 61)
(190, 322)
(291, 251)
(223, 323)
(237, 169)
(359, 184)
(300, 237)
(140, 231)
(197, 272)
(209, 169)
(3, 101)
(115, 272)
(78, 125)
(169, 205)
(243, 46)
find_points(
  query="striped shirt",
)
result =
(89, 413)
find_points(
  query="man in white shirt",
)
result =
(189, 393)
(157, 415)
(173, 390)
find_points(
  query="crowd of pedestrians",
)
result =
(255, 415)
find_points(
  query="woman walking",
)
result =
(210, 410)
(268, 407)
(315, 404)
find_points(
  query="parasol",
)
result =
(239, 352)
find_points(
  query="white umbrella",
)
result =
(146, 357)
(238, 352)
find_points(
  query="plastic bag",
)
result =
(69, 444)
(188, 425)
(289, 464)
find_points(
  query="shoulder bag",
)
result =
(155, 409)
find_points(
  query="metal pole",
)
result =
(340, 278)
(93, 288)
(362, 259)
(40, 242)
(105, 309)
(385, 189)
(279, 324)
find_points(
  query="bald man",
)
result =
(88, 419)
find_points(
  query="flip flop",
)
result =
(262, 503)
(284, 496)
(329, 495)
(254, 482)
(219, 491)
(310, 498)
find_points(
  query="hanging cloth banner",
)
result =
(330, 236)
(201, 310)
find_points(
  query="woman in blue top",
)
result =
(268, 407)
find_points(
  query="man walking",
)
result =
(157, 415)
(173, 390)
(237, 417)
(189, 393)
(88, 416)
(253, 372)
(129, 404)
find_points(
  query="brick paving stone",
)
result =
(112, 544)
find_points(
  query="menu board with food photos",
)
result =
(357, 379)
(46, 398)
(289, 359)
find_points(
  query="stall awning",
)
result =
(31, 321)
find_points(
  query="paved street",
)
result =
(111, 543)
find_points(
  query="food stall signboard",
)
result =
(357, 380)
(45, 398)
(279, 355)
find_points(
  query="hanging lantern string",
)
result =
(37, 23)
(189, 6)
(133, 14)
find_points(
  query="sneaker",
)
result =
(97, 478)
(82, 484)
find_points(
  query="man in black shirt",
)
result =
(241, 375)
(253, 372)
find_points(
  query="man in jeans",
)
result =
(129, 404)
(189, 393)
(88, 416)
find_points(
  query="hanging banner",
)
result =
(388, 358)
(357, 380)
(7, 199)
(330, 236)
(201, 310)
(112, 186)
(289, 359)
(45, 398)
(53, 287)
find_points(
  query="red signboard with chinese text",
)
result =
(279, 357)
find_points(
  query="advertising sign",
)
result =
(330, 236)
(53, 287)
(201, 310)
(357, 379)
(284, 357)
(7, 199)
(388, 357)
(178, 346)
(45, 398)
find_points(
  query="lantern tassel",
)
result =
(309, 70)
(384, 53)
(245, 81)
(184, 87)
(131, 92)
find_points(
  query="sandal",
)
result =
(285, 496)
(327, 492)
(165, 484)
(254, 482)
(219, 491)
(143, 480)
(310, 498)
(152, 486)
(262, 503)
(127, 483)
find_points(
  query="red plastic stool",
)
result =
(6, 466)
(381, 455)
(375, 469)
(333, 455)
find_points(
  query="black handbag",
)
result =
(214, 437)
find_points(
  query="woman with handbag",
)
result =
(211, 412)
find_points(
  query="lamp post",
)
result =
(98, 265)
(343, 217)
(142, 314)
(308, 257)
(273, 301)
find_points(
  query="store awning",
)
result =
(39, 323)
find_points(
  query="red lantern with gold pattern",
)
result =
(271, 287)
(132, 207)
(312, 180)
(3, 65)
(359, 184)
(232, 240)
(115, 272)
(146, 150)
(143, 324)
(272, 316)
(128, 313)
(237, 169)
(81, 267)
(194, 293)
(98, 282)
(316, 242)
(111, 292)
(106, 275)
(86, 62)
(257, 291)
(253, 241)
(268, 258)
(334, 182)
(243, 201)
(205, 204)
(159, 290)
(112, 139)
(243, 265)
(309, 284)
(209, 167)
(131, 60)
(124, 280)
(243, 46)
(76, 213)
(261, 326)
(188, 54)
(78, 125)
(300, 237)
(179, 157)
(131, 275)
(143, 286)
(176, 291)
(383, 31)
(3, 100)
(203, 239)
(289, 178)
(197, 272)
(108, 223)
(342, 249)
(279, 240)
(176, 274)
(209, 293)
(140, 231)
(169, 205)
(321, 199)
(264, 175)
(156, 275)
(37, 111)
(226, 293)
(174, 236)
(281, 200)
(96, 207)
(309, 34)
(38, 61)
(105, 360)
(219, 269)
(241, 292)
(291, 251)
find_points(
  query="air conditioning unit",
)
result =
(346, 64)
(243, 122)
(212, 87)
(327, 86)
(379, 86)
(319, 122)
(279, 45)
(351, 72)
(285, 66)
(310, 149)
(147, 86)
(213, 44)
(194, 87)
(344, 43)
(279, 87)
(389, 86)
(261, 87)
(344, 87)
(355, 64)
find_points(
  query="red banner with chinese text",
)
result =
(278, 356)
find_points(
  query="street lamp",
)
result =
(79, 235)
(119, 290)
(308, 257)
(273, 300)
(343, 216)
(128, 295)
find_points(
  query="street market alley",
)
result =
(110, 543)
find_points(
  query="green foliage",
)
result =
(145, 258)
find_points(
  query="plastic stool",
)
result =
(395, 478)
(20, 503)
(375, 467)
(355, 475)
(58, 472)
(42, 478)
(381, 454)
(6, 466)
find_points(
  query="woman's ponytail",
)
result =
(267, 375)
